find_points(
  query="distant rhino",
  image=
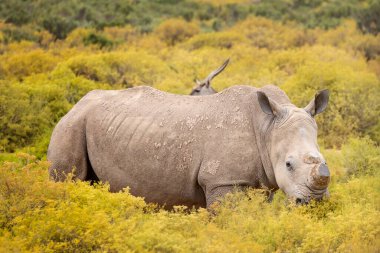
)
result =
(204, 87)
(192, 150)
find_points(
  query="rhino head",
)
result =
(299, 168)
(204, 87)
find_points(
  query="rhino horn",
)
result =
(320, 176)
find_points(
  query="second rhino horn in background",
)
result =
(204, 87)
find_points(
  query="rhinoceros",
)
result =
(203, 87)
(192, 150)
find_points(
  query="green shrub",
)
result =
(173, 31)
(354, 108)
(39, 215)
(99, 40)
(74, 216)
(12, 34)
(26, 111)
(29, 109)
(19, 65)
(219, 40)
(368, 18)
(361, 157)
(117, 68)
(42, 75)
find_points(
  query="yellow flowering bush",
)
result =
(39, 215)
(173, 31)
(46, 70)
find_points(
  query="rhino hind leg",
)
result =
(67, 153)
(59, 172)
(91, 175)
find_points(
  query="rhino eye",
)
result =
(289, 166)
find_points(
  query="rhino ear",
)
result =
(268, 105)
(319, 103)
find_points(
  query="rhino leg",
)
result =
(216, 194)
(68, 151)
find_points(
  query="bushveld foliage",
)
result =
(37, 215)
(40, 81)
(49, 60)
(60, 18)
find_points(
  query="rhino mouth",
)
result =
(308, 194)
(300, 201)
(305, 201)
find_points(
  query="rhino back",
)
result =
(167, 148)
(156, 143)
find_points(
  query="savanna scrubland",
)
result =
(52, 54)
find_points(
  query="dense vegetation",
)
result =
(37, 215)
(54, 52)
(61, 17)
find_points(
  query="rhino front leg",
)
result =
(217, 193)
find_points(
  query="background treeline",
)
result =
(40, 80)
(61, 17)
(53, 52)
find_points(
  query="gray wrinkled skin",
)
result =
(190, 150)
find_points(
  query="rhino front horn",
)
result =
(321, 176)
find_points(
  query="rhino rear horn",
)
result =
(268, 105)
(319, 103)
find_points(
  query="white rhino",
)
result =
(192, 150)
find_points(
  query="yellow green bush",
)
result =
(125, 69)
(122, 34)
(361, 157)
(173, 31)
(27, 110)
(30, 108)
(21, 65)
(218, 40)
(300, 61)
(50, 60)
(39, 215)
(264, 33)
(44, 73)
(347, 36)
(354, 108)
(222, 2)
